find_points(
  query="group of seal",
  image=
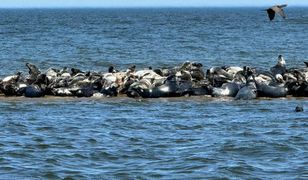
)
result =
(188, 79)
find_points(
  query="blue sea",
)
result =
(164, 138)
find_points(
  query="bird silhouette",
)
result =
(276, 9)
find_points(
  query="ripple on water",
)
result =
(79, 156)
(298, 139)
(45, 128)
(240, 169)
(16, 154)
(244, 148)
(199, 159)
(51, 175)
(8, 172)
(275, 132)
(52, 161)
(73, 177)
(247, 134)
(188, 127)
(42, 146)
(92, 141)
(100, 155)
(282, 147)
(38, 139)
(14, 126)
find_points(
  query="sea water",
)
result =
(166, 138)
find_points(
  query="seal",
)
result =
(82, 88)
(299, 89)
(227, 89)
(33, 72)
(38, 88)
(61, 92)
(218, 76)
(171, 88)
(280, 67)
(299, 108)
(271, 91)
(249, 91)
(231, 89)
(33, 91)
(200, 88)
(139, 88)
(12, 85)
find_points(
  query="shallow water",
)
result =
(169, 138)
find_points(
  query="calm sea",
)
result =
(166, 138)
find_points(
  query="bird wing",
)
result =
(270, 13)
(279, 11)
(282, 14)
(282, 5)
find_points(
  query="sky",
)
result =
(144, 3)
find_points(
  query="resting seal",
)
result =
(280, 67)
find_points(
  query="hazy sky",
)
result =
(146, 3)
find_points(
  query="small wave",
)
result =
(51, 175)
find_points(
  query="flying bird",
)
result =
(276, 9)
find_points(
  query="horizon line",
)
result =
(135, 7)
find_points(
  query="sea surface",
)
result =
(165, 138)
